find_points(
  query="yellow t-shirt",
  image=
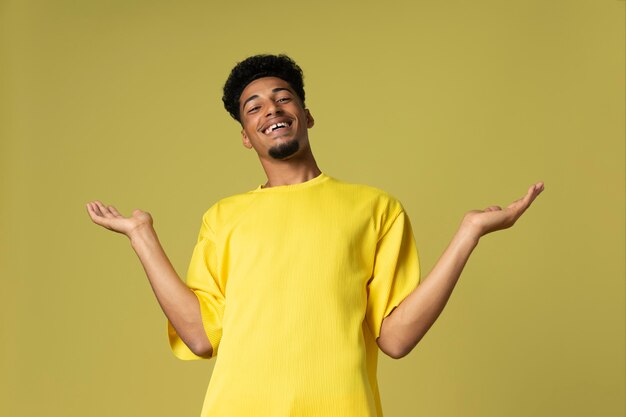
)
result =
(294, 282)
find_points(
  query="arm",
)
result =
(177, 301)
(408, 323)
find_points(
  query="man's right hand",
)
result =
(110, 218)
(178, 301)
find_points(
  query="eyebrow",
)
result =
(275, 90)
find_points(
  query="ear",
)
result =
(309, 119)
(245, 140)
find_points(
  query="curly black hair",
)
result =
(258, 66)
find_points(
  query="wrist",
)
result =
(141, 233)
(469, 231)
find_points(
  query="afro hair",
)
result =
(258, 66)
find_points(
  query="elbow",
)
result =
(202, 348)
(393, 350)
(397, 353)
(396, 356)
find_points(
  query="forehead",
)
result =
(263, 86)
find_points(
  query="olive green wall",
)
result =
(449, 106)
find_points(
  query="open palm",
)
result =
(496, 218)
(108, 217)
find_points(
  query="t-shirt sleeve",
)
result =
(203, 280)
(396, 271)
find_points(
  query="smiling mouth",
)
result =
(277, 126)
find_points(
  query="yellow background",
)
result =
(450, 106)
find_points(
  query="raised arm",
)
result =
(408, 323)
(177, 301)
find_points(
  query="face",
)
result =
(274, 121)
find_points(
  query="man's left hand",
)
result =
(481, 222)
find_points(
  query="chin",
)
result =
(284, 150)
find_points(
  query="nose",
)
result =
(273, 108)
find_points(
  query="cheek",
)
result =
(246, 129)
(251, 135)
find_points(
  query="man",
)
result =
(298, 283)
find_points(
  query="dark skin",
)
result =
(263, 103)
(407, 324)
(275, 124)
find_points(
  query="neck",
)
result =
(291, 171)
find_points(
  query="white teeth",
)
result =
(275, 126)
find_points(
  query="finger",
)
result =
(539, 187)
(96, 216)
(90, 210)
(104, 210)
(529, 197)
(534, 191)
(114, 211)
(96, 209)
(519, 206)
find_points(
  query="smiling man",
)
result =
(295, 286)
(284, 131)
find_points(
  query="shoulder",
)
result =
(380, 206)
(380, 200)
(225, 208)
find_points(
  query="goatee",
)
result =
(284, 150)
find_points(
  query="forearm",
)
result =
(410, 321)
(177, 301)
